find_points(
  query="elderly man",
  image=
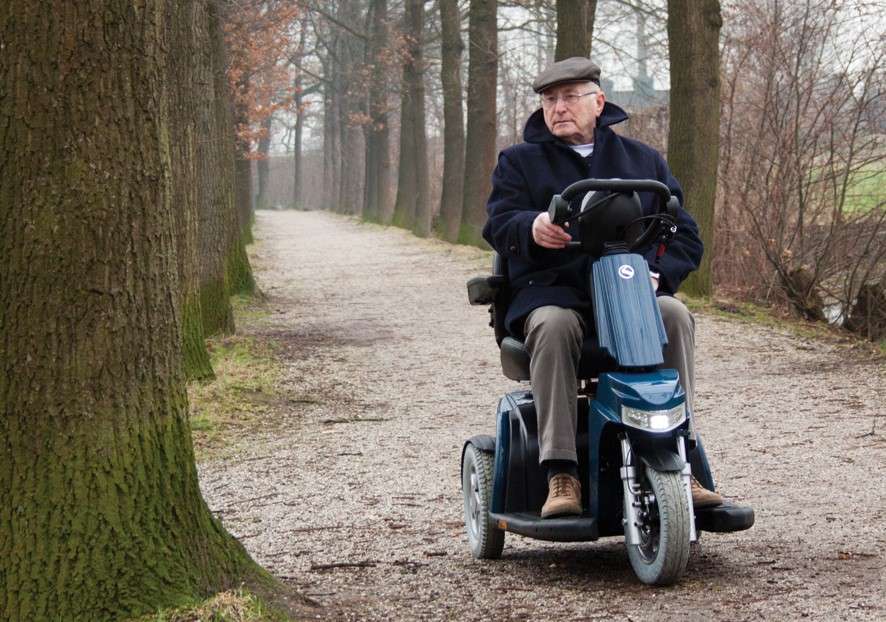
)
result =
(569, 139)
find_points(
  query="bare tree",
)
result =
(412, 209)
(575, 28)
(481, 133)
(377, 192)
(352, 109)
(261, 165)
(694, 133)
(802, 151)
(298, 88)
(454, 124)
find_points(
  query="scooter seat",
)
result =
(515, 359)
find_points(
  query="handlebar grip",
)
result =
(558, 210)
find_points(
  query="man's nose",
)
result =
(560, 106)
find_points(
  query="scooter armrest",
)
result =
(483, 289)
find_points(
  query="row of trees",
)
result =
(121, 243)
(414, 99)
(368, 51)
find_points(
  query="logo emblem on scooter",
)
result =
(625, 271)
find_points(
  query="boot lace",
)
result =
(561, 485)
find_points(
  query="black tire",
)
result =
(662, 556)
(485, 539)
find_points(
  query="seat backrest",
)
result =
(499, 308)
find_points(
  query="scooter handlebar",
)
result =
(617, 185)
(559, 208)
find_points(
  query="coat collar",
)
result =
(537, 132)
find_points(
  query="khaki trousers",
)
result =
(554, 337)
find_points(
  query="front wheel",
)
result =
(661, 556)
(486, 540)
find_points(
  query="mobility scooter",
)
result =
(636, 455)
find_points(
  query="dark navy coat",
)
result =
(525, 179)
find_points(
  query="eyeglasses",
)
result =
(570, 99)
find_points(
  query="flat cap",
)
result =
(575, 69)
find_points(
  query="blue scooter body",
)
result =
(632, 417)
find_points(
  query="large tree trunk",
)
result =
(184, 101)
(215, 182)
(262, 168)
(353, 105)
(238, 271)
(297, 155)
(243, 181)
(102, 516)
(481, 134)
(298, 87)
(453, 122)
(225, 267)
(694, 132)
(377, 191)
(412, 209)
(575, 27)
(331, 137)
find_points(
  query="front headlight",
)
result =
(654, 420)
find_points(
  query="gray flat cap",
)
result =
(575, 69)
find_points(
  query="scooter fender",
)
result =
(662, 459)
(483, 442)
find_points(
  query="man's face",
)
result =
(573, 122)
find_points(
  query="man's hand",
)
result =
(549, 235)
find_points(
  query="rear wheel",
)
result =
(661, 556)
(485, 539)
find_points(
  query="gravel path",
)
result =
(354, 498)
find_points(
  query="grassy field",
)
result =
(867, 191)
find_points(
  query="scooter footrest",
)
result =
(560, 529)
(724, 518)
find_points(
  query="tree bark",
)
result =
(225, 268)
(261, 165)
(243, 182)
(575, 27)
(377, 190)
(298, 87)
(412, 209)
(331, 136)
(453, 122)
(297, 156)
(102, 516)
(591, 19)
(694, 132)
(184, 101)
(353, 105)
(481, 133)
(238, 222)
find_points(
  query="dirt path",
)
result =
(355, 497)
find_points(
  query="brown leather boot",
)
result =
(564, 496)
(702, 497)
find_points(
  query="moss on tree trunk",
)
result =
(224, 265)
(184, 30)
(102, 515)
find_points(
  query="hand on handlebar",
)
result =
(548, 235)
